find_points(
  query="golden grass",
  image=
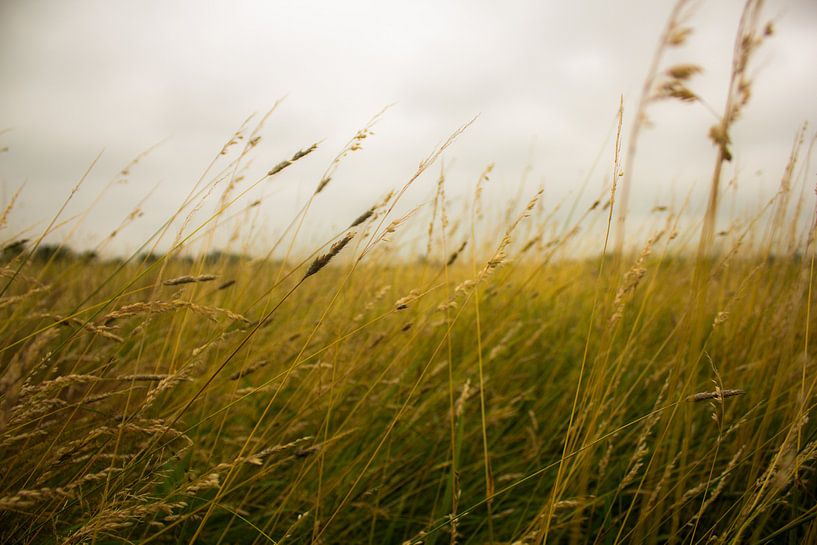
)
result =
(519, 393)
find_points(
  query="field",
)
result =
(524, 380)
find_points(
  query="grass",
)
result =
(513, 384)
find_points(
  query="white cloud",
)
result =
(80, 76)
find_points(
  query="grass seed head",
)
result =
(321, 261)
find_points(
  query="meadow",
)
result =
(520, 380)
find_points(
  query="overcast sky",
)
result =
(80, 77)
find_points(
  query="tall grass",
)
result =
(501, 385)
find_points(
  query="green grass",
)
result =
(355, 401)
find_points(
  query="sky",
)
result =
(80, 78)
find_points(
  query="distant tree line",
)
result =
(62, 252)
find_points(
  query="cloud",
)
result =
(544, 78)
